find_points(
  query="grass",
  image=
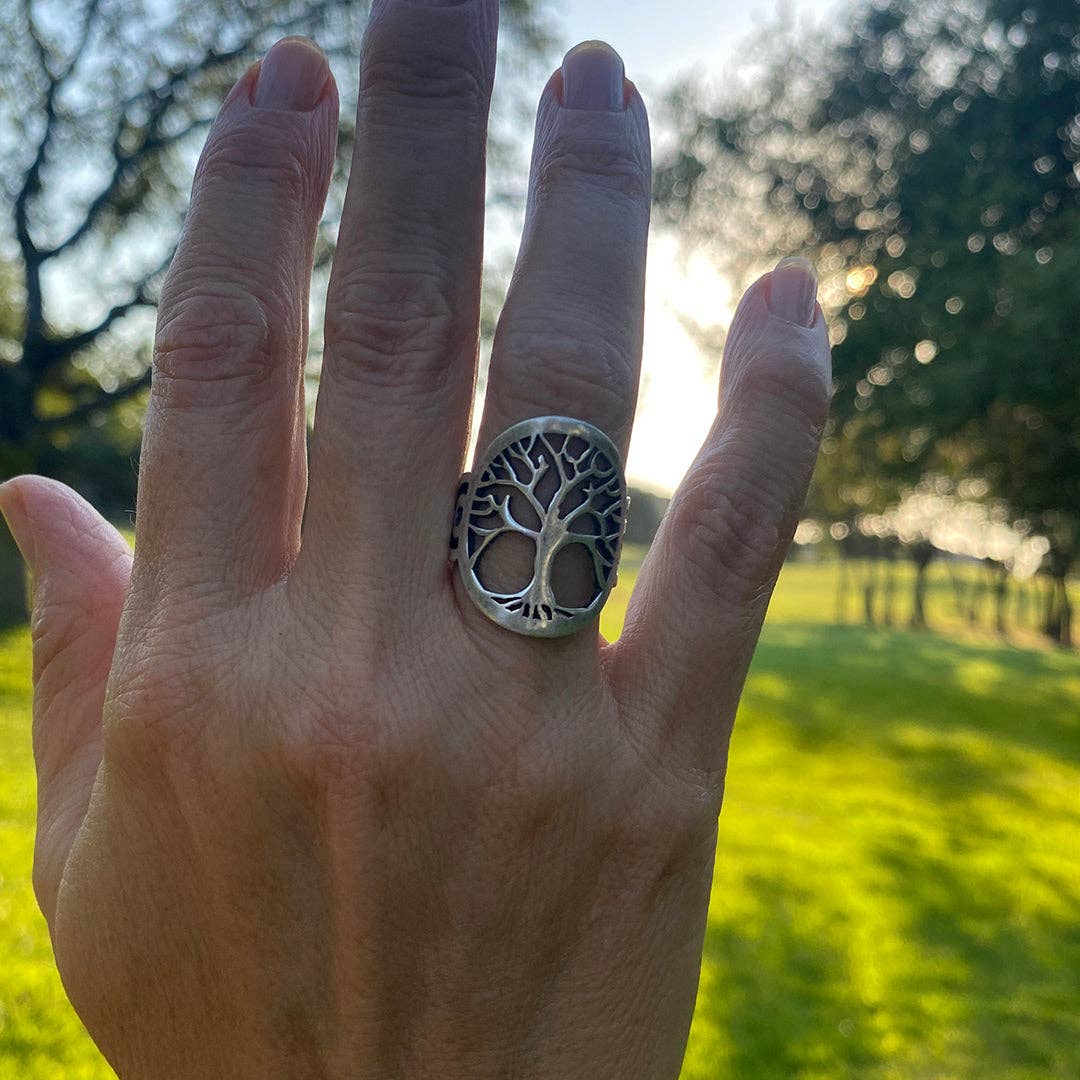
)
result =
(897, 892)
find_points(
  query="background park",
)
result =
(897, 892)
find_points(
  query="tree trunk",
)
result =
(922, 554)
(869, 589)
(1059, 613)
(869, 565)
(959, 586)
(1020, 607)
(1001, 599)
(975, 595)
(1059, 606)
(888, 590)
(13, 594)
(842, 584)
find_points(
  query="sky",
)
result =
(659, 43)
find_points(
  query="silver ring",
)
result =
(558, 483)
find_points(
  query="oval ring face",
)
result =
(557, 484)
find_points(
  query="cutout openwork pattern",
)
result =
(556, 483)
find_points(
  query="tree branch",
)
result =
(55, 351)
(125, 162)
(158, 99)
(32, 178)
(31, 184)
(100, 401)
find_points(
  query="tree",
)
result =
(103, 108)
(928, 158)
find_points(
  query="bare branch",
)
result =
(31, 184)
(158, 99)
(125, 163)
(100, 401)
(55, 351)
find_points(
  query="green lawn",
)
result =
(897, 891)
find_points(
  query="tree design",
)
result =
(556, 488)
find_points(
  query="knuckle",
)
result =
(329, 739)
(448, 71)
(393, 328)
(787, 378)
(161, 695)
(610, 164)
(212, 332)
(540, 798)
(585, 372)
(254, 157)
(671, 820)
(142, 724)
(43, 880)
(731, 535)
(434, 84)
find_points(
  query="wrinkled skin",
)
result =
(304, 811)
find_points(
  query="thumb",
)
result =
(79, 567)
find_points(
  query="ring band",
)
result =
(557, 482)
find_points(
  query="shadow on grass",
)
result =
(1005, 967)
(775, 992)
(909, 806)
(878, 685)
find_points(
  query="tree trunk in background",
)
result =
(843, 581)
(976, 594)
(888, 590)
(922, 554)
(959, 587)
(1058, 605)
(1059, 613)
(1001, 598)
(1049, 601)
(868, 563)
(869, 589)
(13, 609)
(1020, 608)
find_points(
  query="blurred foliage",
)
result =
(926, 157)
(647, 511)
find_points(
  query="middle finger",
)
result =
(570, 337)
(403, 306)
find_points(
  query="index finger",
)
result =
(222, 467)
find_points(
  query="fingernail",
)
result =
(12, 509)
(792, 292)
(292, 76)
(593, 78)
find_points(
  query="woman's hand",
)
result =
(304, 811)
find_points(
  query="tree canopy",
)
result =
(927, 158)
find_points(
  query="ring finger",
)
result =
(569, 340)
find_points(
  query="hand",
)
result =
(305, 812)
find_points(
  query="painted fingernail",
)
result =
(792, 292)
(292, 76)
(593, 78)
